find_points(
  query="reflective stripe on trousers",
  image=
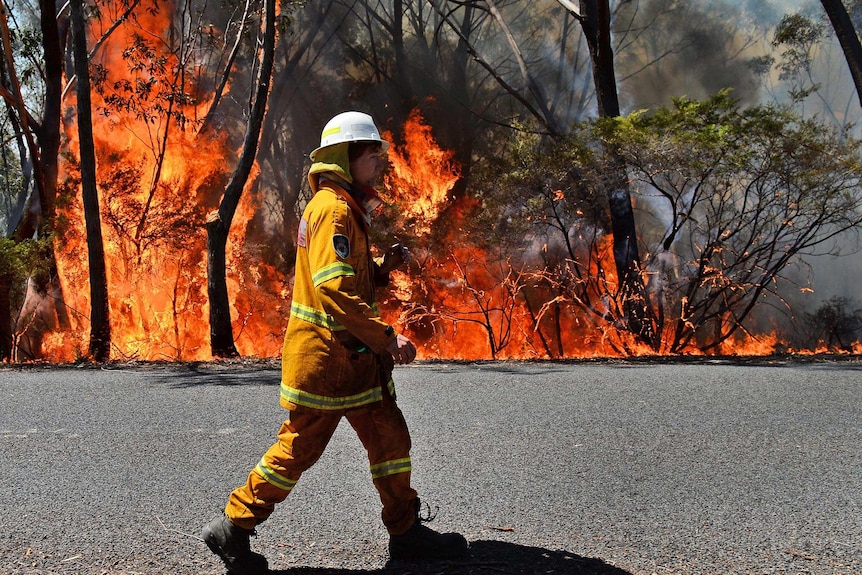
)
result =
(301, 441)
(323, 402)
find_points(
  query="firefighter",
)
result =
(337, 359)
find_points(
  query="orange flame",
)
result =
(422, 174)
(457, 301)
(153, 230)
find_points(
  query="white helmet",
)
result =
(349, 127)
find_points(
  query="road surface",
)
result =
(702, 467)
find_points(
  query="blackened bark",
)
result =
(49, 130)
(596, 23)
(221, 330)
(849, 39)
(458, 96)
(595, 19)
(100, 324)
(218, 224)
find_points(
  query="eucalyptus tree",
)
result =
(849, 39)
(31, 83)
(100, 325)
(219, 222)
(741, 194)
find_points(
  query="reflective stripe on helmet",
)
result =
(329, 132)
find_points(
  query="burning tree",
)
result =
(728, 200)
(739, 195)
(219, 223)
(155, 68)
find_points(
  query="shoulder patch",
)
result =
(341, 243)
(301, 239)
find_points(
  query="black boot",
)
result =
(231, 544)
(420, 543)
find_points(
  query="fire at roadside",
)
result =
(460, 302)
(463, 298)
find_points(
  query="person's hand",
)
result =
(402, 350)
(395, 257)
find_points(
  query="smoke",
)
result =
(696, 48)
(689, 49)
(829, 276)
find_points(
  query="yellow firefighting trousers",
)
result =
(301, 441)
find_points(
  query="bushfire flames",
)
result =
(456, 301)
(153, 212)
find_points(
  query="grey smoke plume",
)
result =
(691, 49)
(696, 48)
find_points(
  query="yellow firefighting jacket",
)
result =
(333, 356)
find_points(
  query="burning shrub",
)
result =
(836, 326)
(737, 196)
(727, 199)
(543, 211)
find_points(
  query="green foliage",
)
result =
(727, 198)
(736, 194)
(540, 188)
(798, 36)
(20, 260)
(12, 183)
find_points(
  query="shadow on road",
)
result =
(195, 375)
(491, 557)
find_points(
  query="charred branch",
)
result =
(100, 324)
(218, 224)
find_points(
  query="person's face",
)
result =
(367, 168)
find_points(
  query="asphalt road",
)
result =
(601, 468)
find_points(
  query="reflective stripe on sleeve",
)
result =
(333, 270)
(306, 399)
(391, 467)
(273, 477)
(314, 316)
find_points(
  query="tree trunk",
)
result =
(849, 39)
(42, 146)
(595, 19)
(218, 223)
(49, 131)
(100, 325)
(457, 99)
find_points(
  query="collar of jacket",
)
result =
(343, 191)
